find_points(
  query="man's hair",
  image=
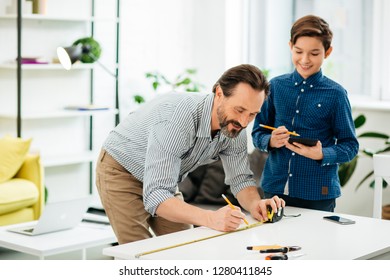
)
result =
(312, 26)
(244, 73)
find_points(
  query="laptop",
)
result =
(57, 216)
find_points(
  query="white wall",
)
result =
(169, 36)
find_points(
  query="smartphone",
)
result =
(305, 141)
(339, 220)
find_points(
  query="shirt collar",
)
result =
(312, 80)
(205, 118)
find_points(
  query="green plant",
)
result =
(347, 169)
(139, 99)
(184, 81)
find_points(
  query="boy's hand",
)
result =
(314, 152)
(279, 137)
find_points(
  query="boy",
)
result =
(313, 106)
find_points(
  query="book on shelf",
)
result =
(34, 60)
(87, 107)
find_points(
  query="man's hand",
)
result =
(258, 208)
(249, 198)
(225, 219)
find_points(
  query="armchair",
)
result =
(22, 197)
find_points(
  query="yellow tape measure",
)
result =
(195, 240)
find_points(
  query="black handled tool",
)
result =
(281, 250)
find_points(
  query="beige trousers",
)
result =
(122, 199)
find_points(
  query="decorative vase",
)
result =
(39, 7)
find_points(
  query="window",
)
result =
(359, 61)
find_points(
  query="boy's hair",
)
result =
(244, 73)
(312, 26)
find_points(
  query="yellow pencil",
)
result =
(232, 206)
(273, 128)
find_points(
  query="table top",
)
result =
(85, 235)
(319, 239)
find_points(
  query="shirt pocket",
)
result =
(315, 114)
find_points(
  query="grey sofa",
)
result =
(205, 185)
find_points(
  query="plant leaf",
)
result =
(359, 121)
(346, 170)
(185, 81)
(191, 71)
(384, 184)
(138, 99)
(374, 135)
(368, 152)
(155, 85)
(387, 149)
(364, 179)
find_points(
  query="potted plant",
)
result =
(185, 81)
(347, 169)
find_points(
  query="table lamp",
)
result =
(86, 50)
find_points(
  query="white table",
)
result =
(85, 235)
(319, 239)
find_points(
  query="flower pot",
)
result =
(386, 212)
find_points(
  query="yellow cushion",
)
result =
(16, 194)
(13, 151)
(20, 216)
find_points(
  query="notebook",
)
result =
(57, 216)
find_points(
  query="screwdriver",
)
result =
(277, 257)
(281, 250)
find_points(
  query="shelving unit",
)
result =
(64, 138)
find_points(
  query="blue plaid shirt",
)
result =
(314, 108)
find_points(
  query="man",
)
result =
(154, 148)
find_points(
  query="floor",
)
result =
(94, 253)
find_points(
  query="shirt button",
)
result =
(302, 90)
(293, 154)
(297, 111)
(296, 83)
(290, 175)
(311, 86)
(304, 82)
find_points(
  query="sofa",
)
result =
(205, 185)
(22, 191)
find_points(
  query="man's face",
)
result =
(308, 54)
(234, 113)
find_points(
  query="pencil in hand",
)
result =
(273, 128)
(232, 206)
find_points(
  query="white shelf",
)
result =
(54, 161)
(59, 114)
(48, 18)
(370, 104)
(50, 66)
(37, 17)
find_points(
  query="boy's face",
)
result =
(308, 54)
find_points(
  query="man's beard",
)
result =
(224, 122)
